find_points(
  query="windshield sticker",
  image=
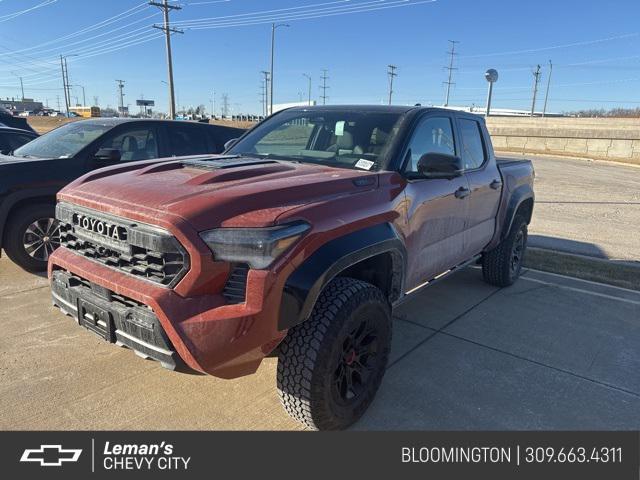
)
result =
(339, 128)
(364, 164)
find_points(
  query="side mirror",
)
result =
(230, 143)
(440, 165)
(108, 155)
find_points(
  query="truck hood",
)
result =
(214, 191)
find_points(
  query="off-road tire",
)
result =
(14, 235)
(499, 267)
(312, 354)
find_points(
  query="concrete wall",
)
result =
(615, 139)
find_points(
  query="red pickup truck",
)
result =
(298, 241)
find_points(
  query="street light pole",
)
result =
(273, 41)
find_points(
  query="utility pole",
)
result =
(58, 102)
(266, 92)
(324, 86)
(121, 101)
(225, 105)
(273, 41)
(95, 101)
(165, 7)
(392, 73)
(21, 86)
(546, 95)
(450, 68)
(308, 77)
(536, 79)
(66, 73)
(64, 85)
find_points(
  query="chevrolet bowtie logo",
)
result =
(50, 455)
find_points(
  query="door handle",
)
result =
(496, 184)
(462, 192)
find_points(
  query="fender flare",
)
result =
(12, 199)
(304, 285)
(517, 198)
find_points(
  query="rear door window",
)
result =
(186, 140)
(473, 154)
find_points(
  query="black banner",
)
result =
(301, 455)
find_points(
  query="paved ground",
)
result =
(587, 207)
(547, 353)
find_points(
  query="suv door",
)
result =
(436, 207)
(484, 182)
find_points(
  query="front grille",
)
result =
(145, 252)
(235, 289)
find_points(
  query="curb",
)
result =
(619, 274)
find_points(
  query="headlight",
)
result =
(258, 247)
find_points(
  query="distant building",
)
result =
(25, 105)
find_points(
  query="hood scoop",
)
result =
(226, 162)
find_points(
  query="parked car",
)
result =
(301, 237)
(8, 120)
(33, 174)
(12, 138)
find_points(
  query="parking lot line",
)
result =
(580, 280)
(582, 290)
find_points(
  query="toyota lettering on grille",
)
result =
(100, 227)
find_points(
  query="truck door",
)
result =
(436, 207)
(485, 184)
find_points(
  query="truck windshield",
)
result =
(345, 139)
(63, 142)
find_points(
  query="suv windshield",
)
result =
(344, 139)
(63, 142)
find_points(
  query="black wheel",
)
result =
(502, 265)
(32, 235)
(330, 367)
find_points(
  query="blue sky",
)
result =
(594, 46)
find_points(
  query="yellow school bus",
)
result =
(86, 112)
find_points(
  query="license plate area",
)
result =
(96, 319)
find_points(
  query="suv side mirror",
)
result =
(440, 165)
(108, 155)
(230, 143)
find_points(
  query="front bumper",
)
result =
(115, 318)
(204, 332)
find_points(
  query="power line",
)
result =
(168, 30)
(324, 86)
(451, 68)
(392, 74)
(361, 8)
(553, 47)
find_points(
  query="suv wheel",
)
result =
(502, 265)
(330, 367)
(31, 237)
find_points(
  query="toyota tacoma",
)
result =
(297, 242)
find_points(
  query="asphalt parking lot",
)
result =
(548, 353)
